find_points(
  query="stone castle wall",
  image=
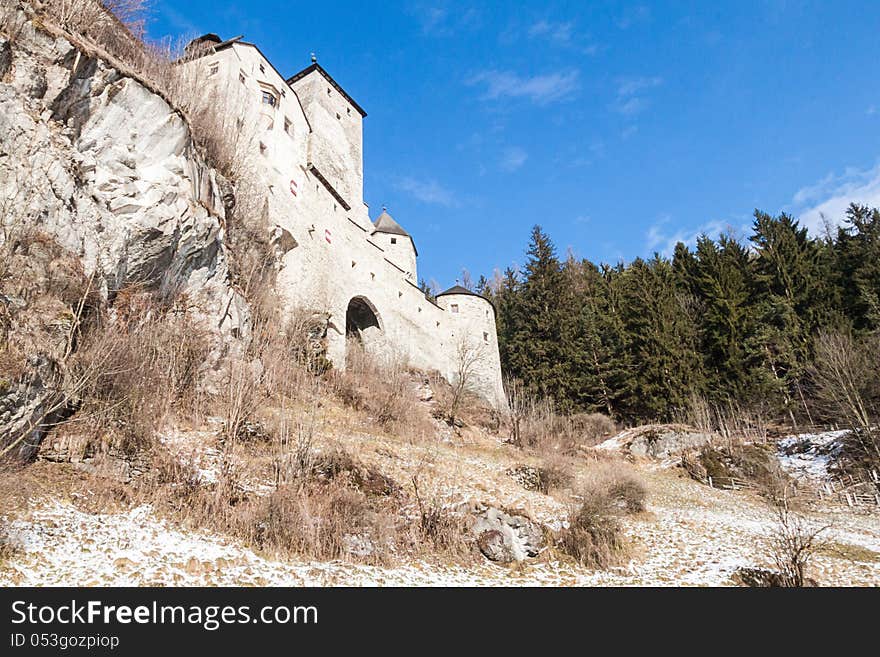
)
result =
(308, 150)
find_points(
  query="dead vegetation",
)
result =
(738, 465)
(384, 390)
(594, 536)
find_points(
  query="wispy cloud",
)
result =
(631, 94)
(427, 191)
(513, 158)
(661, 237)
(825, 201)
(634, 16)
(563, 35)
(540, 89)
(439, 20)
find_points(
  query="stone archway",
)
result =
(363, 325)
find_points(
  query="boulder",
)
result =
(507, 537)
(658, 440)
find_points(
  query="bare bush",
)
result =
(536, 423)
(847, 387)
(137, 368)
(594, 536)
(793, 543)
(383, 389)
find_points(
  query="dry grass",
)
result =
(140, 364)
(337, 508)
(594, 537)
(384, 391)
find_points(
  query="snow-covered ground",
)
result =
(809, 455)
(692, 535)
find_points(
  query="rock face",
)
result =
(107, 170)
(505, 538)
(658, 440)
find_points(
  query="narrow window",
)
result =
(283, 93)
(454, 307)
(420, 309)
(394, 240)
(338, 118)
(262, 148)
(372, 276)
(328, 91)
(348, 111)
(262, 69)
(399, 294)
(485, 337)
(215, 68)
(241, 77)
(353, 263)
(288, 126)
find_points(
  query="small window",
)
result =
(485, 337)
(420, 309)
(269, 98)
(241, 77)
(454, 307)
(338, 118)
(348, 111)
(399, 294)
(262, 69)
(283, 94)
(213, 70)
(353, 263)
(288, 126)
(328, 91)
(394, 240)
(262, 148)
(372, 276)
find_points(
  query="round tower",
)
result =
(472, 351)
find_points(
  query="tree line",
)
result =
(760, 322)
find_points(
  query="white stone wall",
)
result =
(336, 146)
(337, 256)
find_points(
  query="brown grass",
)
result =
(384, 391)
(594, 537)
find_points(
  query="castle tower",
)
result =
(336, 144)
(397, 243)
(474, 344)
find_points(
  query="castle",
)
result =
(305, 136)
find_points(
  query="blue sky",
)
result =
(620, 127)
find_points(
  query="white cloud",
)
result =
(513, 158)
(427, 191)
(562, 35)
(631, 92)
(438, 20)
(825, 202)
(662, 240)
(634, 16)
(540, 89)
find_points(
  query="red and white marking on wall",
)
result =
(293, 187)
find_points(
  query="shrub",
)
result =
(594, 536)
(383, 390)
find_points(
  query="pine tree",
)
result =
(536, 352)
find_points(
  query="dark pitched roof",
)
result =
(385, 224)
(458, 289)
(315, 66)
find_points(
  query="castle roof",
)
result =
(458, 289)
(385, 224)
(316, 67)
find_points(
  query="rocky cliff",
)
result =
(98, 173)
